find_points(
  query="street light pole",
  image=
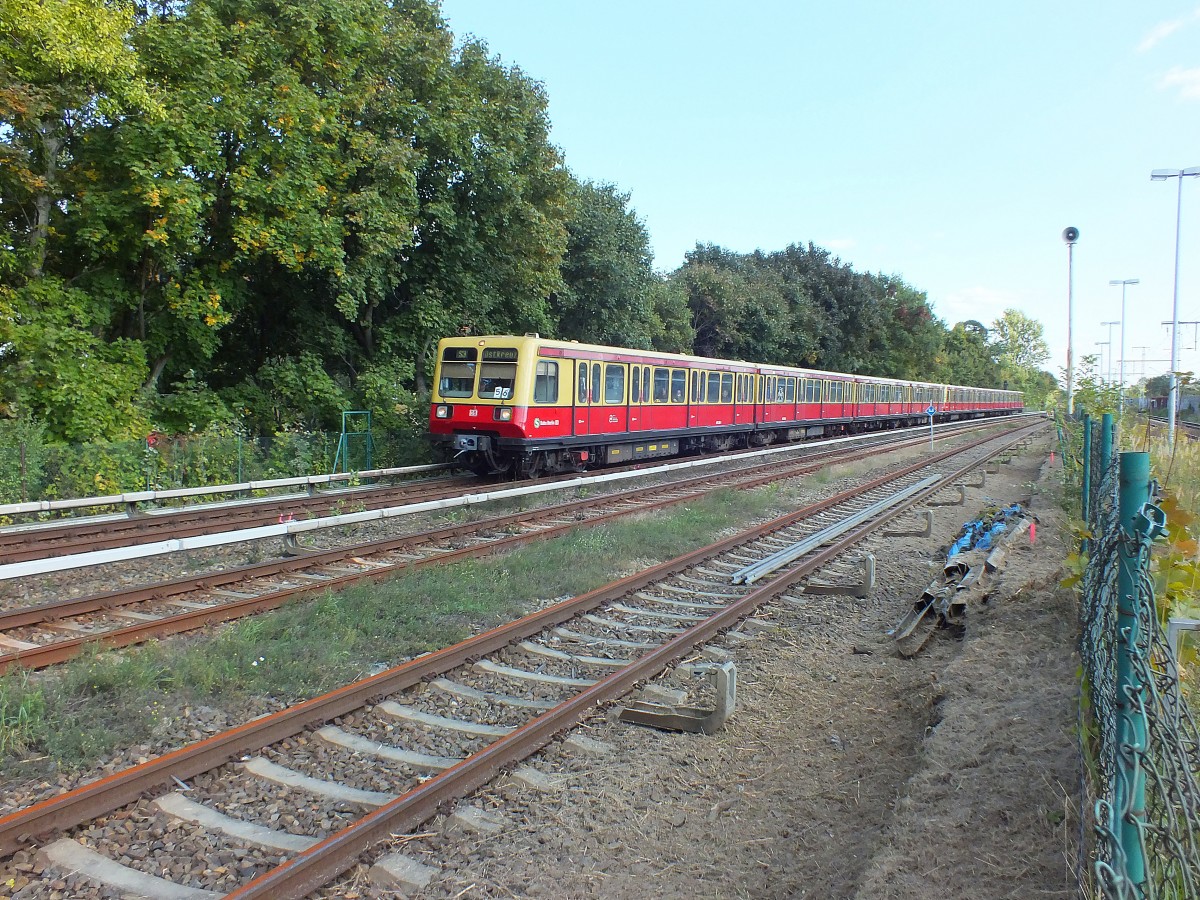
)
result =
(1173, 393)
(1070, 235)
(1109, 345)
(1123, 282)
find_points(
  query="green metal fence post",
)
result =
(1087, 468)
(1131, 723)
(1106, 444)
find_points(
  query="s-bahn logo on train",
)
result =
(538, 423)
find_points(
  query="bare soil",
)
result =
(847, 770)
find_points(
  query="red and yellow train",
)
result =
(526, 405)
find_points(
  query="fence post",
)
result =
(1087, 467)
(1106, 444)
(1131, 724)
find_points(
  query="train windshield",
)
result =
(496, 381)
(458, 379)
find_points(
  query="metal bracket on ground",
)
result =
(925, 514)
(938, 607)
(962, 498)
(677, 717)
(860, 589)
(976, 484)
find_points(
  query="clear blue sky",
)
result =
(947, 143)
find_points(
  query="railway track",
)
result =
(1191, 429)
(294, 799)
(22, 543)
(47, 634)
(26, 542)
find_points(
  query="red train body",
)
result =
(526, 405)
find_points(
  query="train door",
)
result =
(608, 413)
(695, 397)
(580, 416)
(639, 398)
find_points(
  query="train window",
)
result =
(645, 384)
(545, 382)
(727, 387)
(582, 396)
(662, 385)
(458, 380)
(697, 379)
(614, 383)
(595, 395)
(678, 385)
(635, 385)
(496, 380)
(714, 387)
(761, 387)
(835, 392)
(770, 380)
(790, 397)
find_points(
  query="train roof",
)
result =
(652, 356)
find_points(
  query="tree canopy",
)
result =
(262, 213)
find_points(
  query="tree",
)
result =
(1021, 349)
(608, 292)
(64, 64)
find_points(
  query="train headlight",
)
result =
(502, 414)
(442, 411)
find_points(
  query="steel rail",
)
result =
(61, 651)
(313, 868)
(26, 544)
(61, 540)
(113, 791)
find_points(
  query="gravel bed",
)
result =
(312, 756)
(440, 704)
(511, 687)
(237, 794)
(419, 738)
(187, 854)
(544, 665)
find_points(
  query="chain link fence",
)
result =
(1140, 738)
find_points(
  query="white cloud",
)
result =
(1163, 30)
(1187, 80)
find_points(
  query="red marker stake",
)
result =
(1033, 532)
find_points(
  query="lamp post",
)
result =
(1123, 282)
(1070, 235)
(1109, 344)
(1173, 393)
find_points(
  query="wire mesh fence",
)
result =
(1140, 737)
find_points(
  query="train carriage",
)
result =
(526, 405)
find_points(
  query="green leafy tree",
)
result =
(64, 65)
(608, 293)
(1021, 349)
